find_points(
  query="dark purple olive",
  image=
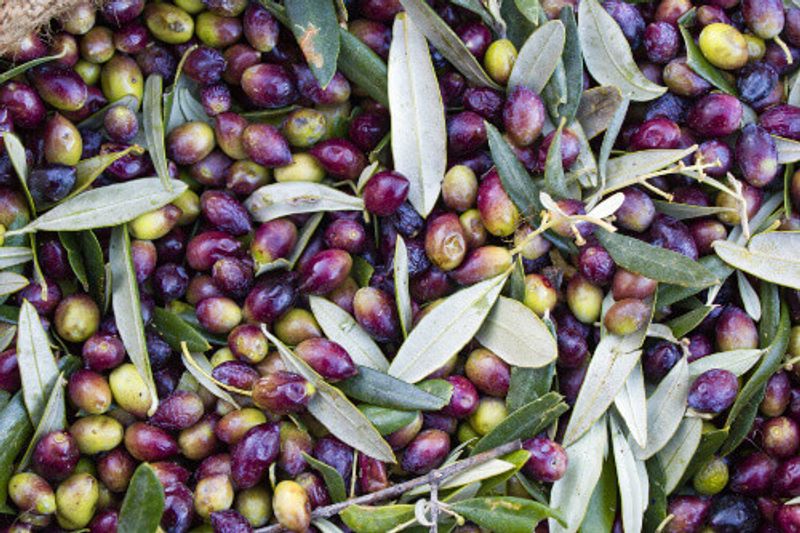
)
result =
(51, 183)
(282, 392)
(757, 156)
(335, 453)
(131, 39)
(225, 212)
(55, 455)
(659, 359)
(149, 443)
(204, 65)
(315, 489)
(340, 157)
(230, 521)
(689, 513)
(182, 409)
(385, 192)
(376, 312)
(672, 234)
(752, 475)
(548, 461)
(464, 399)
(170, 282)
(782, 120)
(661, 41)
(105, 521)
(570, 149)
(269, 86)
(367, 129)
(637, 211)
(777, 395)
(713, 391)
(252, 456)
(270, 298)
(596, 264)
(485, 101)
(115, 469)
(207, 247)
(490, 374)
(273, 240)
(372, 475)
(35, 296)
(328, 358)
(260, 28)
(60, 87)
(476, 37)
(765, 18)
(732, 513)
(466, 132)
(25, 105)
(523, 116)
(216, 99)
(265, 145)
(629, 18)
(294, 442)
(178, 508)
(325, 271)
(347, 235)
(426, 452)
(780, 437)
(236, 374)
(715, 115)
(712, 151)
(103, 352)
(120, 12)
(656, 133)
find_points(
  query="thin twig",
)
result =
(396, 491)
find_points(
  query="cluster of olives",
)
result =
(202, 256)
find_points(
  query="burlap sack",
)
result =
(20, 17)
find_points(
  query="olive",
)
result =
(52, 182)
(682, 80)
(291, 506)
(689, 513)
(121, 76)
(303, 167)
(712, 477)
(265, 145)
(24, 104)
(55, 455)
(130, 390)
(76, 499)
(764, 18)
(723, 46)
(385, 192)
(89, 391)
(548, 460)
(155, 224)
(218, 30)
(253, 454)
(62, 141)
(499, 60)
(584, 299)
(115, 469)
(282, 392)
(757, 156)
(490, 412)
(327, 358)
(655, 133)
(735, 330)
(97, 46)
(523, 116)
(659, 359)
(626, 316)
(212, 494)
(780, 437)
(499, 214)
(661, 41)
(713, 391)
(77, 317)
(732, 512)
(752, 474)
(218, 314)
(169, 23)
(31, 494)
(427, 451)
(296, 326)
(79, 19)
(376, 312)
(490, 374)
(190, 142)
(715, 115)
(445, 244)
(340, 158)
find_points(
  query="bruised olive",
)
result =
(282, 392)
(169, 23)
(62, 141)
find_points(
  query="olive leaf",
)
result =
(69, 240)
(94, 263)
(572, 58)
(200, 368)
(13, 72)
(175, 330)
(597, 108)
(14, 255)
(316, 28)
(401, 287)
(127, 308)
(628, 479)
(504, 513)
(749, 297)
(446, 42)
(376, 388)
(37, 364)
(665, 409)
(554, 179)
(19, 161)
(710, 443)
(445, 330)
(669, 294)
(363, 67)
(377, 519)
(571, 494)
(54, 417)
(281, 199)
(538, 57)
(419, 137)
(608, 55)
(584, 171)
(517, 335)
(699, 64)
(632, 407)
(333, 479)
(770, 256)
(521, 17)
(525, 422)
(676, 455)
(340, 327)
(334, 411)
(689, 211)
(655, 262)
(516, 181)
(11, 282)
(143, 503)
(88, 170)
(685, 324)
(517, 459)
(387, 420)
(601, 512)
(480, 472)
(106, 206)
(153, 125)
(15, 433)
(625, 170)
(788, 149)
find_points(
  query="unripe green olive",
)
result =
(76, 499)
(120, 77)
(193, 7)
(89, 72)
(724, 46)
(291, 506)
(584, 299)
(189, 204)
(499, 60)
(794, 342)
(223, 355)
(77, 317)
(459, 188)
(129, 390)
(255, 504)
(169, 23)
(198, 441)
(540, 295)
(712, 477)
(213, 493)
(62, 141)
(32, 494)
(96, 433)
(155, 224)
(304, 127)
(466, 432)
(304, 167)
(296, 325)
(490, 412)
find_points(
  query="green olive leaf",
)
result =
(333, 479)
(376, 388)
(340, 327)
(538, 57)
(521, 17)
(11, 282)
(143, 503)
(176, 330)
(445, 330)
(90, 169)
(333, 410)
(526, 422)
(749, 297)
(631, 405)
(571, 494)
(608, 55)
(71, 243)
(554, 179)
(106, 206)
(685, 324)
(597, 108)
(625, 170)
(127, 308)
(37, 364)
(665, 409)
(771, 257)
(698, 63)
(528, 384)
(676, 455)
(401, 285)
(200, 368)
(316, 29)
(656, 511)
(13, 72)
(504, 513)
(631, 487)
(281, 199)
(363, 67)
(601, 512)
(669, 294)
(54, 417)
(14, 255)
(95, 266)
(517, 335)
(572, 57)
(153, 125)
(516, 181)
(388, 420)
(378, 519)
(655, 262)
(419, 137)
(517, 459)
(689, 211)
(446, 42)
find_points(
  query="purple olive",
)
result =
(340, 158)
(269, 86)
(426, 452)
(282, 392)
(325, 271)
(55, 455)
(265, 145)
(385, 192)
(328, 358)
(713, 391)
(252, 456)
(548, 461)
(715, 115)
(752, 475)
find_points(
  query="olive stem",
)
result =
(401, 488)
